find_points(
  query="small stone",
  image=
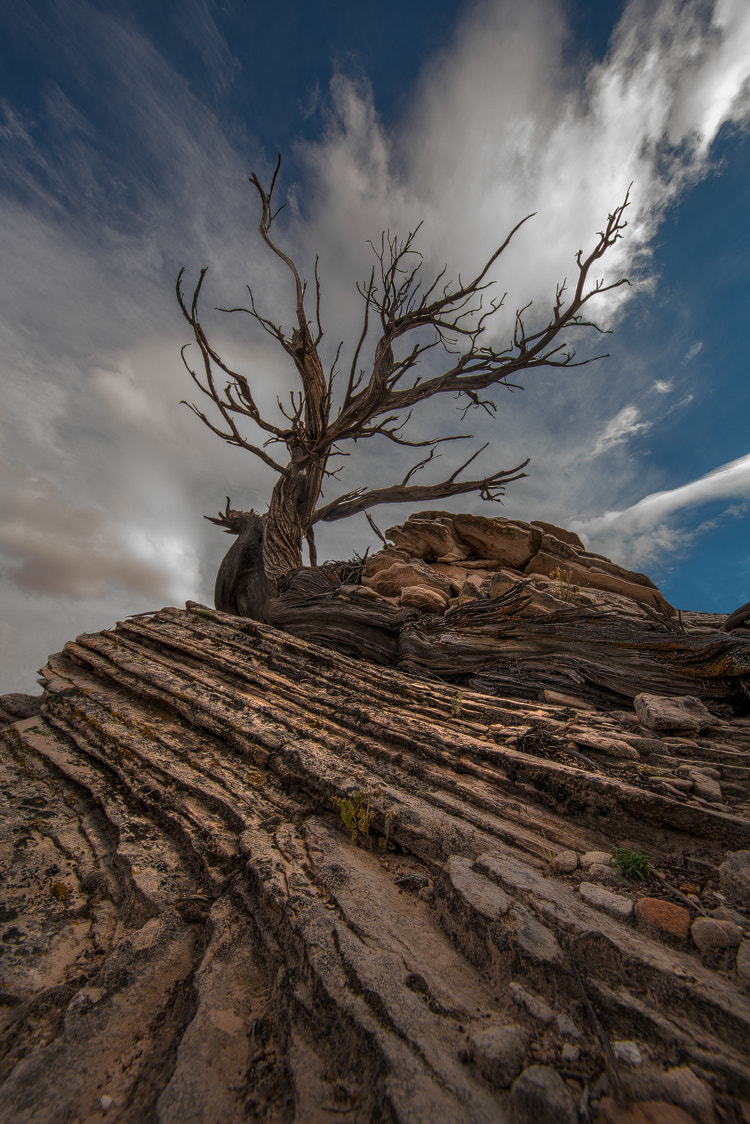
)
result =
(566, 861)
(541, 1094)
(600, 858)
(734, 876)
(498, 1052)
(665, 917)
(570, 1053)
(742, 965)
(536, 1007)
(710, 935)
(105, 1102)
(566, 1026)
(616, 904)
(601, 873)
(628, 1052)
(684, 714)
(725, 913)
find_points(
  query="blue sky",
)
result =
(128, 131)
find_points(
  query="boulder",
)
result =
(429, 535)
(681, 714)
(513, 543)
(425, 599)
(569, 537)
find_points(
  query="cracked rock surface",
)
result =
(246, 877)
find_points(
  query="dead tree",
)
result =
(404, 318)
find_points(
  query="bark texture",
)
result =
(249, 877)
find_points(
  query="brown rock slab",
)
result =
(664, 917)
(569, 537)
(684, 714)
(514, 543)
(425, 599)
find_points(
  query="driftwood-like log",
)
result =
(248, 877)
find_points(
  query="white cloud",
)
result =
(663, 386)
(643, 532)
(692, 351)
(619, 428)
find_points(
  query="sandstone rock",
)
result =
(683, 714)
(598, 858)
(710, 935)
(734, 877)
(726, 913)
(498, 1052)
(541, 1094)
(569, 537)
(565, 861)
(513, 543)
(575, 573)
(598, 872)
(664, 917)
(613, 747)
(427, 600)
(616, 904)
(429, 535)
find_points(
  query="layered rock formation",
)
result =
(247, 876)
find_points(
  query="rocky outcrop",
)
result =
(247, 876)
(475, 547)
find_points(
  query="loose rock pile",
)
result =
(440, 560)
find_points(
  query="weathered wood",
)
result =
(192, 934)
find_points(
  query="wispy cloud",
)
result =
(619, 428)
(642, 532)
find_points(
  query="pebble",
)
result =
(570, 1053)
(536, 1007)
(616, 904)
(628, 1052)
(665, 917)
(498, 1052)
(734, 877)
(710, 934)
(602, 873)
(725, 913)
(541, 1094)
(598, 858)
(105, 1102)
(566, 861)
